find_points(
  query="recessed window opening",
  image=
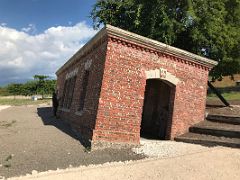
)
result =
(68, 92)
(84, 90)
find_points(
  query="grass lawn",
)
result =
(227, 96)
(19, 102)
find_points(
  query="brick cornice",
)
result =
(149, 45)
(173, 57)
(136, 41)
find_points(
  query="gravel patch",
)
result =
(233, 110)
(217, 163)
(216, 107)
(163, 149)
(32, 140)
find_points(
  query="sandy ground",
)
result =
(233, 110)
(215, 163)
(4, 107)
(32, 139)
(217, 107)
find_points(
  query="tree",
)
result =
(50, 86)
(15, 89)
(29, 88)
(209, 28)
(40, 85)
(4, 91)
(44, 85)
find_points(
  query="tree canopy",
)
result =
(209, 28)
(40, 85)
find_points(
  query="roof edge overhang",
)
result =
(161, 47)
(83, 49)
(109, 30)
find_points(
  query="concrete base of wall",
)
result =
(103, 145)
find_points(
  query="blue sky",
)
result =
(38, 36)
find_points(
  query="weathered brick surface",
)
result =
(121, 100)
(84, 122)
(115, 93)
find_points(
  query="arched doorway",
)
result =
(157, 109)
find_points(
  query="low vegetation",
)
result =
(7, 124)
(7, 162)
(228, 96)
(41, 85)
(19, 102)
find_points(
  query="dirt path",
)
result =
(216, 163)
(4, 107)
(32, 139)
(217, 107)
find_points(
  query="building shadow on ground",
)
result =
(49, 119)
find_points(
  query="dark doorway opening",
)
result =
(157, 109)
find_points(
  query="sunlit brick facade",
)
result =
(121, 85)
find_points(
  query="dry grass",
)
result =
(7, 124)
(20, 102)
(227, 96)
(227, 81)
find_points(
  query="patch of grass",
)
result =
(87, 149)
(7, 124)
(20, 102)
(7, 163)
(228, 96)
(9, 157)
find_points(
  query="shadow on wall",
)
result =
(48, 119)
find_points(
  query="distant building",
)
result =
(121, 85)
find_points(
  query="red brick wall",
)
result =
(84, 123)
(115, 92)
(122, 94)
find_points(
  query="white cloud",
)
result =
(31, 28)
(22, 55)
(3, 24)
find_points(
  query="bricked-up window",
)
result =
(64, 93)
(71, 91)
(84, 89)
(68, 92)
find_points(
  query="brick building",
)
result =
(121, 85)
